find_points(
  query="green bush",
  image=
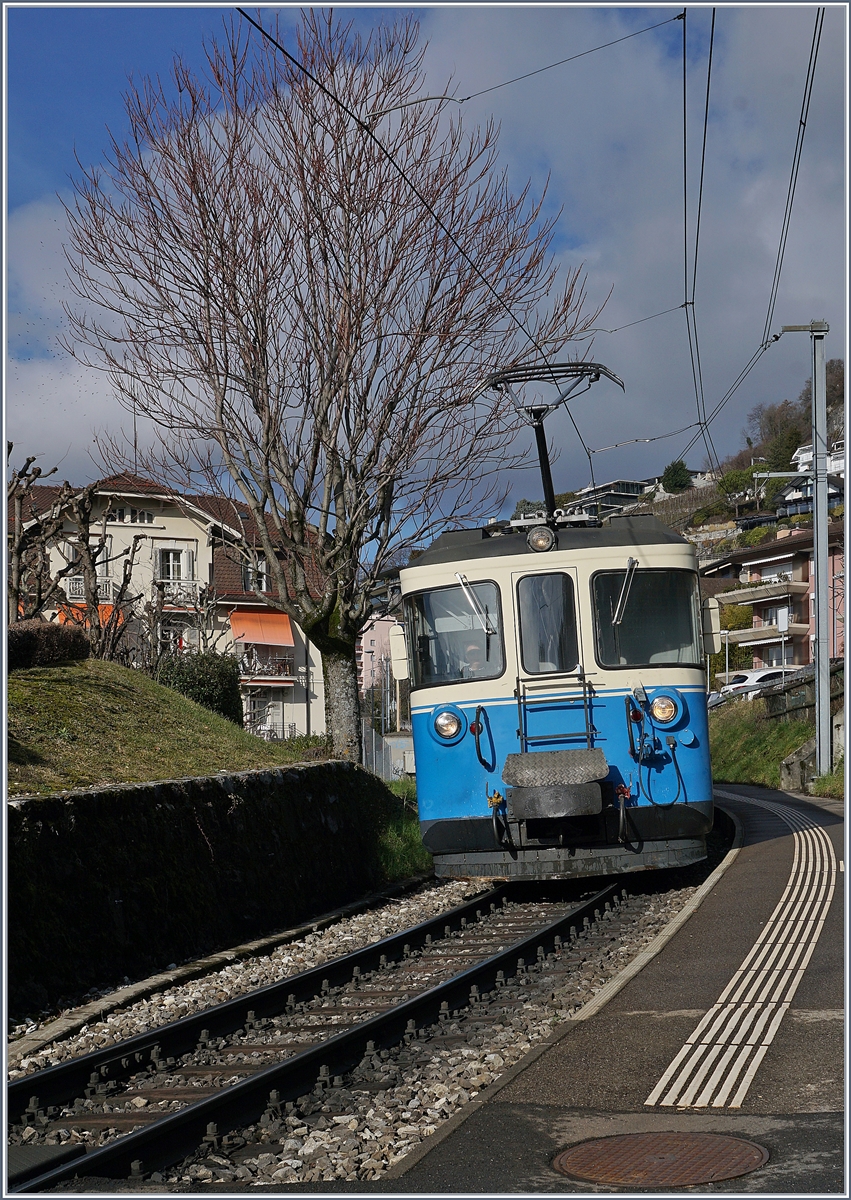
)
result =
(209, 678)
(39, 643)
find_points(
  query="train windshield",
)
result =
(547, 617)
(659, 622)
(456, 634)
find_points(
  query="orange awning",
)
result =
(77, 614)
(266, 628)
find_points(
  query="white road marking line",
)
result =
(733, 1037)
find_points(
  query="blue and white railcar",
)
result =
(558, 699)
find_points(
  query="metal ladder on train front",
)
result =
(525, 701)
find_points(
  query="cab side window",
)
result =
(547, 618)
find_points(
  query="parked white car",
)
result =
(751, 682)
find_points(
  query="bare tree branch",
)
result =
(262, 283)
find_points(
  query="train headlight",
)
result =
(663, 709)
(447, 724)
(540, 538)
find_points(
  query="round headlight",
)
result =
(663, 709)
(447, 724)
(540, 538)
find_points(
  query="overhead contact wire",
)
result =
(365, 128)
(767, 339)
(562, 61)
(688, 304)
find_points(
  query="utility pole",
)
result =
(821, 582)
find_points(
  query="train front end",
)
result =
(558, 699)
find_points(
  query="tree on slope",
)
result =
(262, 283)
(676, 477)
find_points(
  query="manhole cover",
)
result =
(657, 1159)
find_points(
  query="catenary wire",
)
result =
(701, 391)
(768, 340)
(659, 437)
(796, 163)
(652, 317)
(365, 128)
(573, 58)
(688, 305)
(370, 134)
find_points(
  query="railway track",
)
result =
(256, 1060)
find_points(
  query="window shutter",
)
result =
(188, 564)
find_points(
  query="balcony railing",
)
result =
(271, 731)
(183, 592)
(75, 588)
(775, 589)
(767, 633)
(261, 666)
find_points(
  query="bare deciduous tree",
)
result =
(104, 616)
(32, 583)
(262, 282)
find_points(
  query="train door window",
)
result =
(660, 618)
(547, 618)
(456, 633)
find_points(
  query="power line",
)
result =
(365, 128)
(658, 438)
(404, 175)
(688, 304)
(573, 58)
(629, 325)
(768, 340)
(796, 163)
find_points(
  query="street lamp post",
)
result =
(821, 650)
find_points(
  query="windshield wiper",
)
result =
(620, 607)
(473, 601)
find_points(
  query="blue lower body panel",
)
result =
(654, 807)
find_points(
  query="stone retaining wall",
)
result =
(125, 880)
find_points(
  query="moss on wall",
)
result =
(124, 880)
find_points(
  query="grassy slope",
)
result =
(748, 747)
(89, 723)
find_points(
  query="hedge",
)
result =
(208, 678)
(37, 643)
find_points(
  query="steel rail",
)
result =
(179, 1134)
(68, 1080)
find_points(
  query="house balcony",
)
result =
(778, 589)
(182, 593)
(75, 589)
(253, 666)
(760, 634)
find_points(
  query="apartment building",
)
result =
(776, 578)
(211, 597)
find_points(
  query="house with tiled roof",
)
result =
(210, 596)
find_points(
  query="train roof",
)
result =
(498, 541)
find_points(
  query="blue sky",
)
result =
(607, 131)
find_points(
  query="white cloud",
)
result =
(607, 129)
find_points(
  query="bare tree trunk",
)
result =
(342, 710)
